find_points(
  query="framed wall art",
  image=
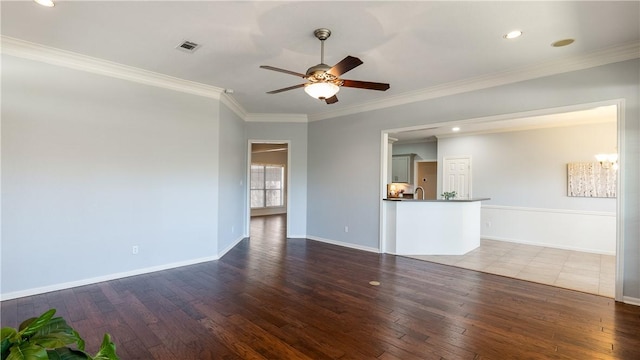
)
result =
(591, 179)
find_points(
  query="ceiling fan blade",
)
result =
(331, 100)
(365, 85)
(345, 65)
(285, 89)
(283, 71)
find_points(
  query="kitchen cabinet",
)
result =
(402, 168)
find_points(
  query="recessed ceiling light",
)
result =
(563, 42)
(455, 129)
(514, 34)
(47, 3)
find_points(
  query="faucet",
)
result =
(415, 193)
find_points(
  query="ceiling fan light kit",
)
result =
(323, 81)
(321, 90)
(47, 3)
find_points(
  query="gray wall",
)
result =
(529, 168)
(231, 179)
(344, 179)
(297, 135)
(344, 153)
(92, 165)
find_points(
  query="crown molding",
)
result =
(287, 118)
(232, 104)
(46, 54)
(609, 55)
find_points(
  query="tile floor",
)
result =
(586, 272)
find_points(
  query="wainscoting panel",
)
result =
(588, 231)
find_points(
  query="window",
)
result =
(267, 185)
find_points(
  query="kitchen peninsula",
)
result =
(432, 227)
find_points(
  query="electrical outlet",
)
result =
(346, 229)
(487, 224)
(134, 249)
(233, 229)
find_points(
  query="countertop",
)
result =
(437, 200)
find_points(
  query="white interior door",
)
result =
(457, 176)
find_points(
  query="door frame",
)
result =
(250, 143)
(620, 200)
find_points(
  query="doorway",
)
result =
(427, 178)
(539, 119)
(268, 181)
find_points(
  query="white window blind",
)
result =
(267, 185)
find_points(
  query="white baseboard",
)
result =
(343, 244)
(231, 246)
(294, 236)
(99, 279)
(631, 300)
(517, 241)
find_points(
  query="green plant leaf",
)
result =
(27, 351)
(57, 333)
(9, 337)
(46, 337)
(26, 323)
(52, 341)
(6, 344)
(65, 353)
(79, 341)
(107, 350)
(7, 333)
(30, 326)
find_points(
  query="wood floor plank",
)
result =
(134, 349)
(160, 352)
(9, 313)
(234, 339)
(277, 298)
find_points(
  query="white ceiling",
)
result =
(411, 45)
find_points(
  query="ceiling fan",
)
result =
(323, 81)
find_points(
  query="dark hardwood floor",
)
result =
(271, 298)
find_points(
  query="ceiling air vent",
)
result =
(188, 46)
